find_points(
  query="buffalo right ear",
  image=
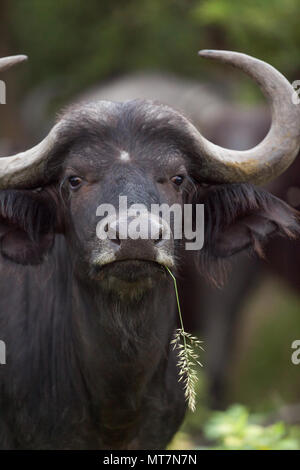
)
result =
(240, 217)
(243, 216)
(27, 226)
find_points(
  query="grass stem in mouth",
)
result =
(186, 344)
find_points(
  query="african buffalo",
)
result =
(87, 322)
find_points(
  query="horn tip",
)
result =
(7, 62)
(207, 52)
(20, 58)
(218, 54)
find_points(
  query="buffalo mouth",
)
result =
(129, 272)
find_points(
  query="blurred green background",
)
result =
(93, 40)
(83, 42)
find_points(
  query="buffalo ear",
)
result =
(253, 215)
(27, 223)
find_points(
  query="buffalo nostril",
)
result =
(112, 232)
(116, 241)
(116, 238)
(159, 235)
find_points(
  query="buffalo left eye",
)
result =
(178, 180)
(75, 182)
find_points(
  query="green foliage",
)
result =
(88, 41)
(268, 29)
(235, 429)
(92, 40)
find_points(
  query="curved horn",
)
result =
(25, 168)
(280, 146)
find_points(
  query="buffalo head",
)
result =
(149, 154)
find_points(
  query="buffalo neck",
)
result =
(119, 331)
(122, 350)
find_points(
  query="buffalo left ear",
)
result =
(19, 248)
(27, 226)
(253, 216)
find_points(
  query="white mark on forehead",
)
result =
(124, 156)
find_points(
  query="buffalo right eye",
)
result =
(75, 182)
(178, 180)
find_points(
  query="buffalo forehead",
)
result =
(133, 136)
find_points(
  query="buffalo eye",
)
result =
(178, 180)
(74, 182)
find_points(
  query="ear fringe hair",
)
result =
(225, 204)
(28, 211)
